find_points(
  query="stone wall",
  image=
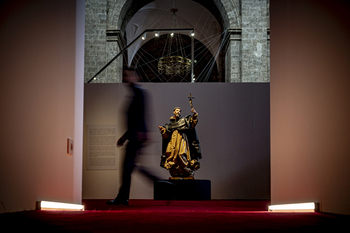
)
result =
(100, 49)
(254, 41)
(247, 57)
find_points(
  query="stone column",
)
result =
(115, 69)
(100, 45)
(254, 41)
(95, 38)
(233, 57)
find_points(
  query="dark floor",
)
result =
(173, 216)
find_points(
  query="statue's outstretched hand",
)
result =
(161, 129)
(194, 111)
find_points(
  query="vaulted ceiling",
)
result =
(159, 15)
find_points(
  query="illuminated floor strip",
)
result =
(49, 205)
(299, 207)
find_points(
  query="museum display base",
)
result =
(182, 189)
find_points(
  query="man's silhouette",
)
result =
(136, 135)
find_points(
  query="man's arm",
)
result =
(121, 140)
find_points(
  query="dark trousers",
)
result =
(132, 150)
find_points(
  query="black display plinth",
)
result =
(182, 190)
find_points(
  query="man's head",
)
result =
(130, 75)
(177, 112)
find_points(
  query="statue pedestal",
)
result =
(182, 189)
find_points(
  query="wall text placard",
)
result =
(101, 147)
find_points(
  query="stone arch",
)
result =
(121, 11)
(245, 22)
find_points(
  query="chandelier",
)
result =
(174, 63)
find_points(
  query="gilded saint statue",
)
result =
(181, 149)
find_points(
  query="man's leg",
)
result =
(128, 166)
